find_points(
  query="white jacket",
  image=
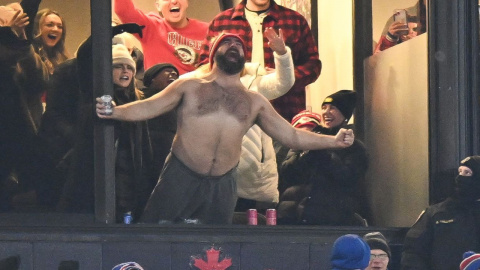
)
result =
(256, 174)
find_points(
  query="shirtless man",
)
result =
(213, 114)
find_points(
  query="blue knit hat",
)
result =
(471, 261)
(350, 251)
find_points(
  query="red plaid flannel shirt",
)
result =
(298, 37)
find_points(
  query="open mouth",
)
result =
(232, 52)
(52, 36)
(327, 120)
(175, 9)
(125, 78)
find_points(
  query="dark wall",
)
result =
(155, 247)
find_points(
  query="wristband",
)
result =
(391, 37)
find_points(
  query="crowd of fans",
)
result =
(47, 118)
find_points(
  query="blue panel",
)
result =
(275, 256)
(50, 255)
(320, 255)
(22, 249)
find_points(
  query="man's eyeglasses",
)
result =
(381, 257)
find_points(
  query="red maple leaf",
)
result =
(212, 262)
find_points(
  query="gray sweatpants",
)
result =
(184, 194)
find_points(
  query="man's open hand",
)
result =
(276, 42)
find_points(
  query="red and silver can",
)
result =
(252, 216)
(107, 102)
(271, 217)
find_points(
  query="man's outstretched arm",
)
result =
(140, 110)
(278, 128)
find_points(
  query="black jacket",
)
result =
(331, 179)
(441, 235)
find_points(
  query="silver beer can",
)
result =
(107, 102)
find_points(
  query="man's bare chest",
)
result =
(216, 99)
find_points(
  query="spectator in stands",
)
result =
(128, 40)
(392, 33)
(350, 252)
(380, 253)
(161, 129)
(256, 174)
(248, 19)
(444, 231)
(471, 261)
(58, 129)
(305, 120)
(214, 113)
(23, 77)
(131, 145)
(169, 36)
(50, 32)
(324, 187)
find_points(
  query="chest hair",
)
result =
(234, 101)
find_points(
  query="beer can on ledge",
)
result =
(271, 217)
(107, 102)
(127, 218)
(252, 216)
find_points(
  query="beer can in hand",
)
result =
(107, 102)
(271, 217)
(252, 216)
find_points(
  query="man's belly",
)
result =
(205, 160)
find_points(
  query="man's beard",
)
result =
(229, 67)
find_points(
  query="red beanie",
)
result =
(306, 119)
(217, 42)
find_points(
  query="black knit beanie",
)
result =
(154, 70)
(344, 100)
(376, 240)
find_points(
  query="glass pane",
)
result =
(35, 145)
(395, 22)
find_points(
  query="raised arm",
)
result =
(278, 128)
(158, 104)
(278, 82)
(31, 8)
(128, 13)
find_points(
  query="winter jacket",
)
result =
(323, 187)
(441, 235)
